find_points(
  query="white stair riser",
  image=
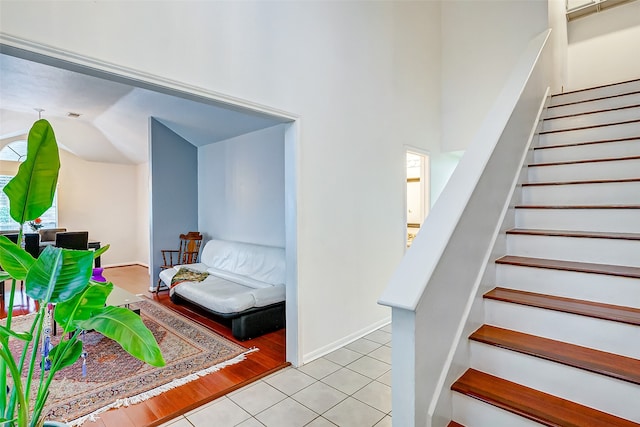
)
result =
(607, 150)
(585, 95)
(599, 251)
(592, 119)
(471, 412)
(613, 337)
(602, 133)
(597, 105)
(609, 193)
(613, 169)
(570, 284)
(597, 391)
(613, 220)
(586, 388)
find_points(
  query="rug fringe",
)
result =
(159, 390)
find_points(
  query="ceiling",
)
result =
(113, 121)
(580, 8)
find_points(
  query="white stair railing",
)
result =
(432, 290)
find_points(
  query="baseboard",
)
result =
(310, 357)
(125, 264)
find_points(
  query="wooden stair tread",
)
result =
(532, 404)
(585, 113)
(578, 144)
(626, 122)
(586, 89)
(589, 181)
(581, 267)
(596, 310)
(609, 364)
(570, 233)
(574, 162)
(577, 206)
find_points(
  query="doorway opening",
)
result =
(227, 110)
(417, 200)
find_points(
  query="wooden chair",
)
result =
(187, 253)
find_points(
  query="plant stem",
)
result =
(3, 367)
(12, 295)
(43, 389)
(3, 386)
(34, 352)
(23, 405)
(8, 411)
(23, 356)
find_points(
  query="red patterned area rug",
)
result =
(114, 378)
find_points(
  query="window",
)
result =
(49, 218)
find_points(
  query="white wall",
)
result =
(8, 167)
(442, 167)
(142, 214)
(362, 76)
(101, 198)
(105, 199)
(603, 47)
(558, 44)
(241, 188)
(481, 42)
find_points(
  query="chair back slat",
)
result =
(189, 247)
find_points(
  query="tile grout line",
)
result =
(369, 381)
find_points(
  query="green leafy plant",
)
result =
(60, 278)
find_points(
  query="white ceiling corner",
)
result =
(114, 117)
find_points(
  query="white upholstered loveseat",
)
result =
(245, 285)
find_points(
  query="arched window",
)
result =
(10, 157)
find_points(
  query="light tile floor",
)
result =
(350, 387)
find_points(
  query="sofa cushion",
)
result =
(237, 278)
(226, 297)
(262, 263)
(217, 294)
(241, 276)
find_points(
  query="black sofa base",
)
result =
(249, 323)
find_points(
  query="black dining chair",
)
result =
(73, 240)
(12, 236)
(32, 244)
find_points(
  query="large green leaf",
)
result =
(69, 357)
(31, 191)
(126, 328)
(15, 260)
(83, 305)
(59, 274)
(24, 336)
(100, 251)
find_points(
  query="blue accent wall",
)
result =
(173, 164)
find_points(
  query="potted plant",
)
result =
(36, 224)
(57, 277)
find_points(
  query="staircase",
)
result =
(561, 341)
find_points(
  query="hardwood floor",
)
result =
(160, 409)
